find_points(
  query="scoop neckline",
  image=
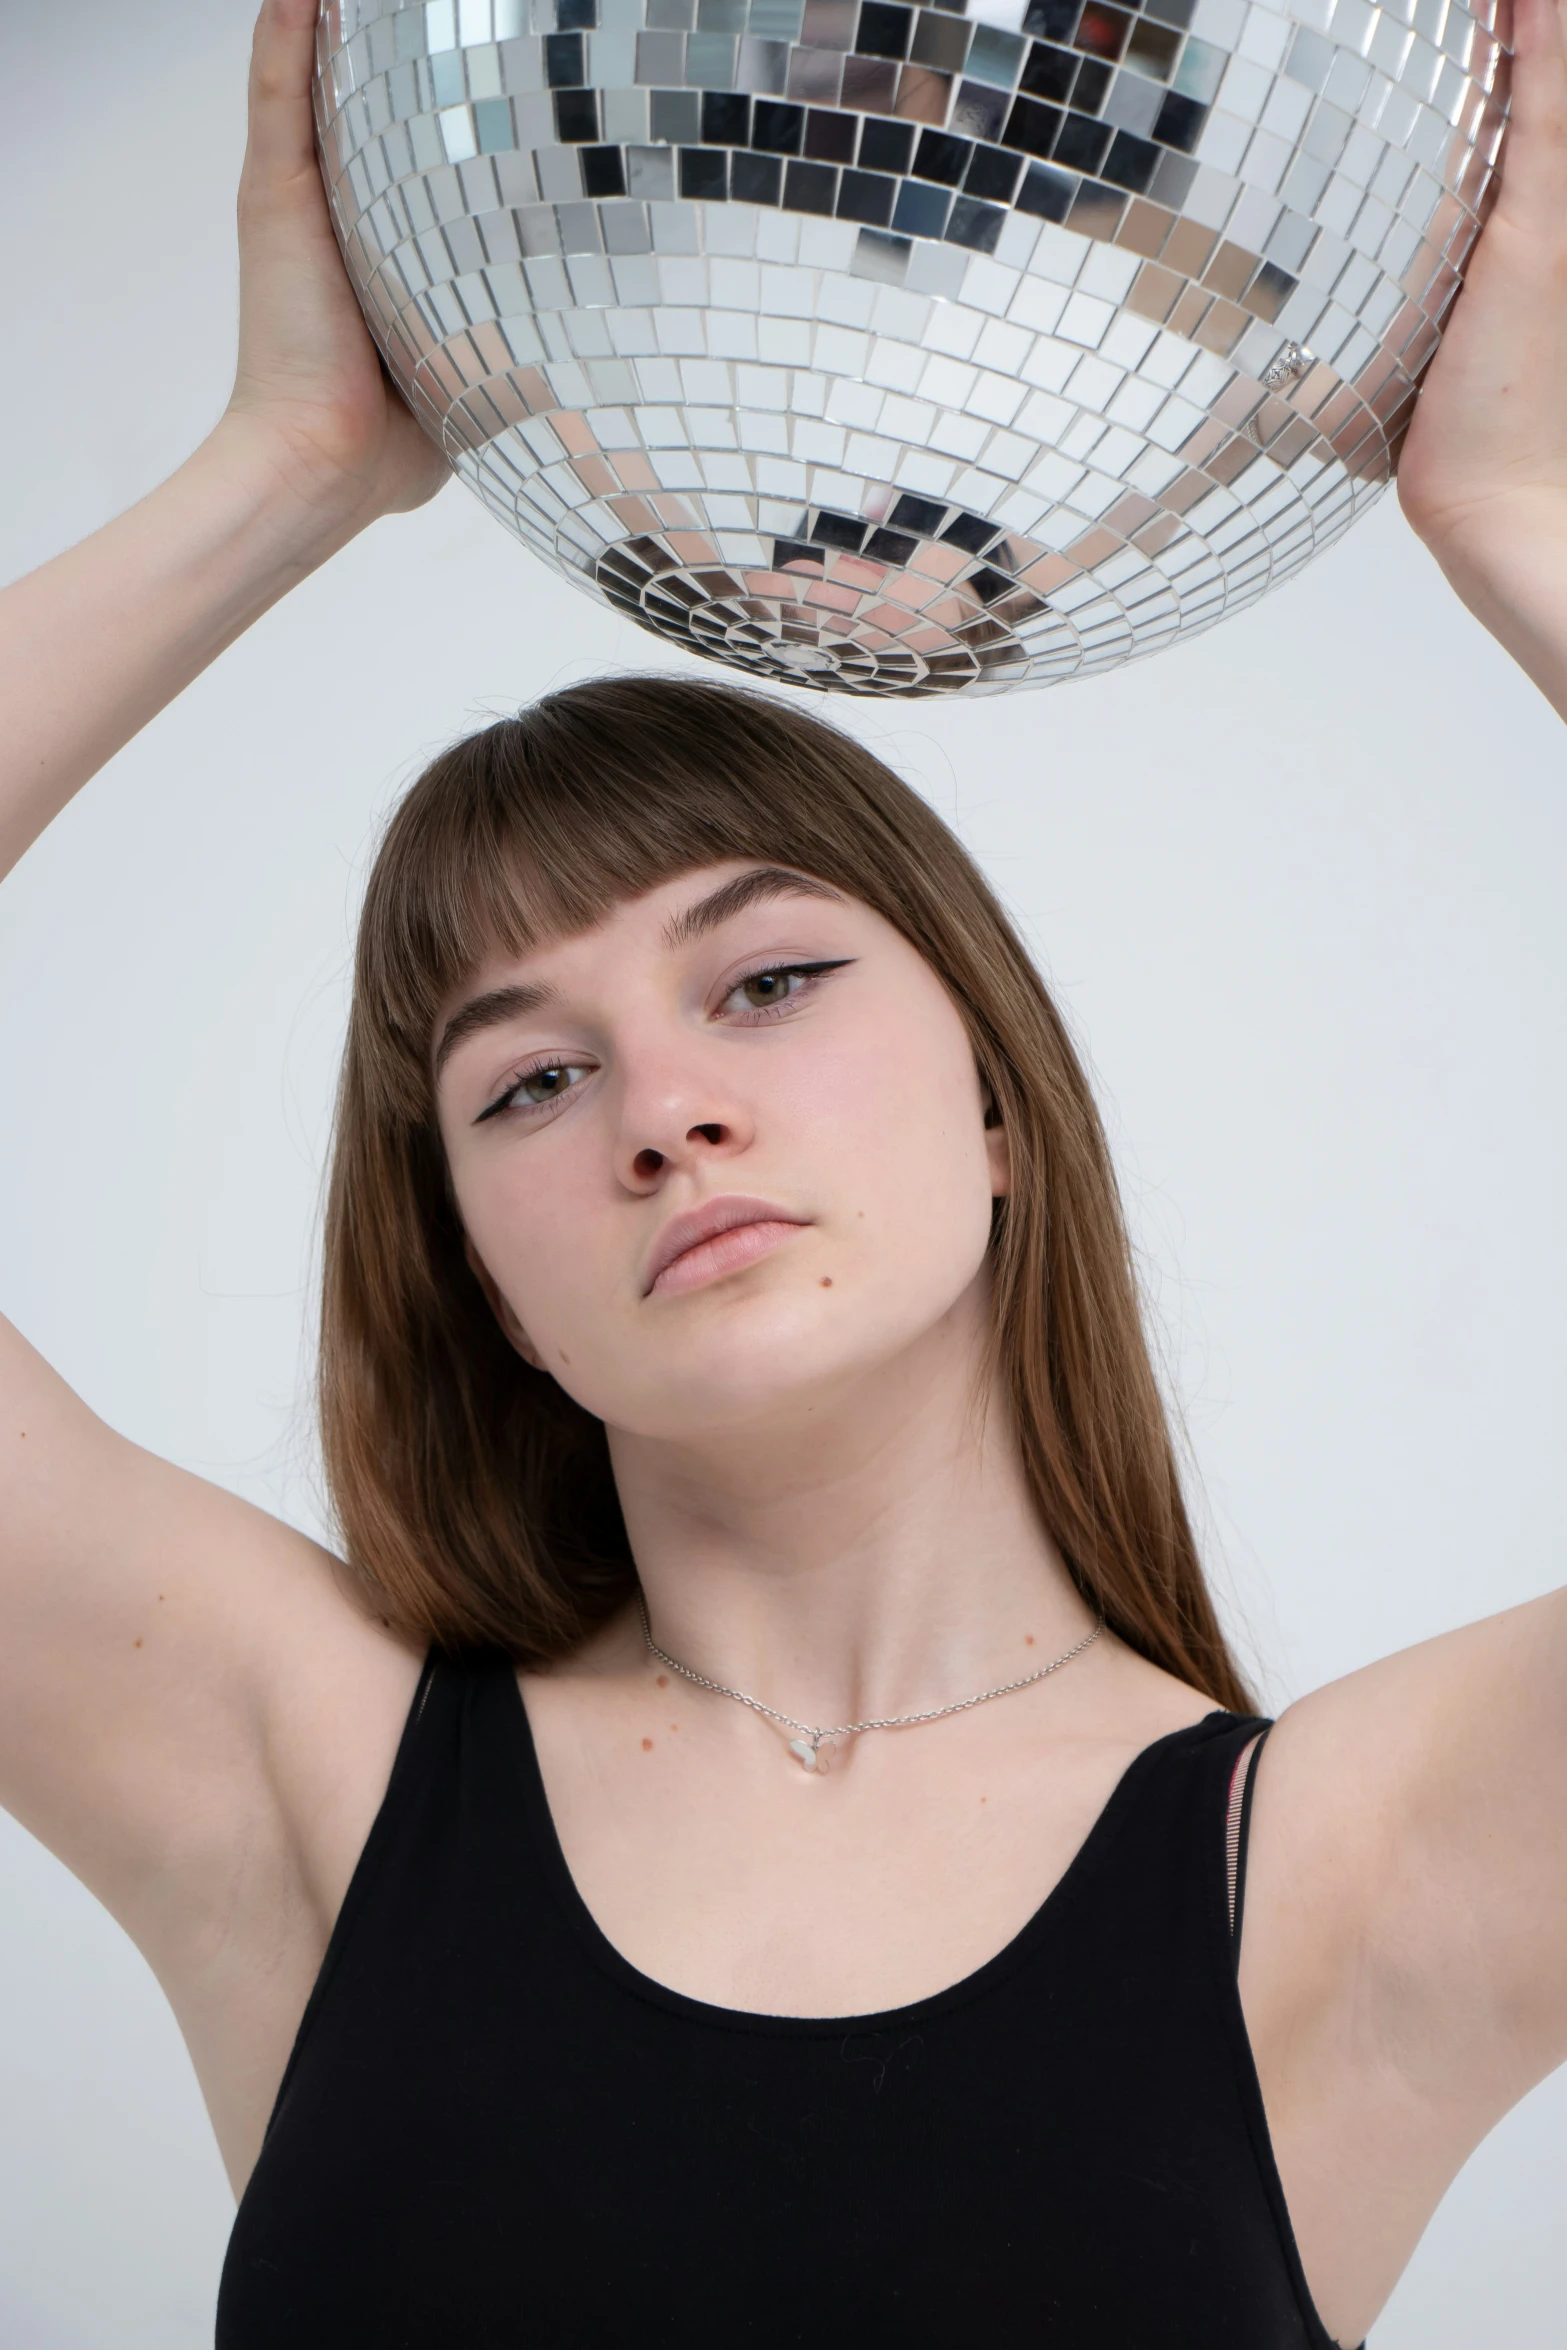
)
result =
(979, 1980)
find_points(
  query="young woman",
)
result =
(749, 1841)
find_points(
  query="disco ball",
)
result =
(912, 349)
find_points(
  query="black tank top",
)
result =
(494, 2131)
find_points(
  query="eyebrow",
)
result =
(734, 897)
(500, 1004)
(489, 1011)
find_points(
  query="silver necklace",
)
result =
(808, 1744)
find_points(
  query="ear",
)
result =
(997, 1148)
(516, 1336)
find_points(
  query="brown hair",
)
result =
(474, 1496)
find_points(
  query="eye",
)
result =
(769, 989)
(537, 1088)
(543, 1085)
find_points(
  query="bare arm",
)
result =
(1404, 1965)
(164, 1649)
(1483, 477)
(1451, 1759)
(313, 445)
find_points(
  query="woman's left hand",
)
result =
(1483, 475)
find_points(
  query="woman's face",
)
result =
(720, 1154)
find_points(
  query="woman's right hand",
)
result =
(310, 391)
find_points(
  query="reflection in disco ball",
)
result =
(900, 349)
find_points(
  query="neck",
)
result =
(875, 1554)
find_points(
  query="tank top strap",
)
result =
(443, 1761)
(1157, 1861)
(1243, 1779)
(1139, 1937)
(1157, 1918)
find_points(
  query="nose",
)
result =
(650, 1163)
(677, 1117)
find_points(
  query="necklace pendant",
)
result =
(806, 1751)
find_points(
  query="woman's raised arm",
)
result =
(1405, 1956)
(156, 1632)
(1483, 477)
(314, 444)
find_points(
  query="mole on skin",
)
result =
(647, 1745)
(137, 1643)
(826, 1281)
(662, 1682)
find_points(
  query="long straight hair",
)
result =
(474, 1497)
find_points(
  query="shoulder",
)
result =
(1144, 1702)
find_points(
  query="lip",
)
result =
(762, 1221)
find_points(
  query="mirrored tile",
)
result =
(894, 352)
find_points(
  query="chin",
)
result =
(766, 1364)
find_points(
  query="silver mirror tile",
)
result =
(902, 349)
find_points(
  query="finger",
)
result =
(1534, 156)
(282, 128)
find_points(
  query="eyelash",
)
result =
(759, 1013)
(806, 971)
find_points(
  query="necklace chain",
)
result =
(808, 1743)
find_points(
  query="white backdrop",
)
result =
(1296, 883)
